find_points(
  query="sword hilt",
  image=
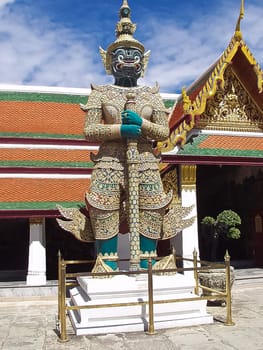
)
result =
(130, 102)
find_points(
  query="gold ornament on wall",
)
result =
(231, 108)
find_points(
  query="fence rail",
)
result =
(66, 280)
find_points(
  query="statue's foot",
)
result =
(105, 267)
(168, 262)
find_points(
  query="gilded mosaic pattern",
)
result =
(231, 108)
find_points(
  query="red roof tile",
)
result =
(232, 142)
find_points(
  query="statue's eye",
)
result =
(137, 55)
(119, 52)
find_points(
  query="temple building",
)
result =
(212, 160)
(215, 148)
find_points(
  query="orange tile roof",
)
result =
(232, 142)
(43, 190)
(44, 155)
(223, 146)
(41, 117)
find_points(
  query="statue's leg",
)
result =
(103, 203)
(148, 248)
(108, 247)
(153, 201)
(105, 225)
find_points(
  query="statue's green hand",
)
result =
(130, 131)
(130, 117)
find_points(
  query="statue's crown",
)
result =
(124, 33)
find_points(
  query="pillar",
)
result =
(36, 274)
(188, 195)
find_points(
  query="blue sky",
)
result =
(55, 42)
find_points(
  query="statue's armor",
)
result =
(109, 179)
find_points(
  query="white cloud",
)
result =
(37, 51)
(252, 29)
(181, 54)
(5, 2)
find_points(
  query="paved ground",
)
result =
(30, 324)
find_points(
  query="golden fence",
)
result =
(66, 280)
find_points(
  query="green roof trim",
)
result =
(49, 97)
(169, 103)
(42, 135)
(45, 164)
(42, 97)
(192, 149)
(38, 205)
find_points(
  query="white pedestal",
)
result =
(124, 289)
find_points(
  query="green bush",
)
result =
(208, 220)
(229, 217)
(234, 233)
(224, 225)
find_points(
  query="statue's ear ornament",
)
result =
(103, 55)
(146, 57)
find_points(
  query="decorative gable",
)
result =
(231, 108)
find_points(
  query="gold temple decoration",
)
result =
(213, 82)
(184, 127)
(170, 182)
(168, 262)
(238, 33)
(177, 218)
(76, 223)
(187, 104)
(188, 175)
(124, 33)
(231, 108)
(101, 267)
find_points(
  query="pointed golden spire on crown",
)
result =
(238, 33)
(125, 25)
(124, 33)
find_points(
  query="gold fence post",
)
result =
(63, 331)
(195, 272)
(229, 321)
(59, 286)
(150, 298)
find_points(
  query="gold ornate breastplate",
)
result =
(113, 99)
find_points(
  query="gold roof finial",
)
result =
(124, 37)
(238, 33)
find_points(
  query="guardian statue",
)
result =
(126, 189)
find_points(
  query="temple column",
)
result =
(36, 274)
(188, 195)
